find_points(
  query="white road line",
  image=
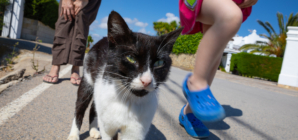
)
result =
(18, 104)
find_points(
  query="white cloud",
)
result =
(141, 24)
(130, 21)
(103, 24)
(142, 30)
(94, 25)
(170, 17)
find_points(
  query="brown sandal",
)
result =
(52, 77)
(75, 80)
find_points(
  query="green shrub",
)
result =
(187, 44)
(255, 65)
(46, 11)
(3, 4)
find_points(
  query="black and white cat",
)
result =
(122, 73)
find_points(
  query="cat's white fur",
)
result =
(74, 132)
(118, 109)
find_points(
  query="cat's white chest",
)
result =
(117, 108)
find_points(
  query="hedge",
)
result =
(187, 44)
(256, 65)
(46, 11)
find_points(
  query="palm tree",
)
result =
(277, 42)
(89, 41)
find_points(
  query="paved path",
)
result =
(255, 110)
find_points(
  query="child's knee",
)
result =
(232, 19)
(233, 16)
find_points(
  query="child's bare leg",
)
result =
(214, 69)
(224, 18)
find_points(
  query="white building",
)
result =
(234, 45)
(13, 19)
(16, 26)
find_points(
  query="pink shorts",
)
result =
(189, 9)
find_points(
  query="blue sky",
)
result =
(140, 15)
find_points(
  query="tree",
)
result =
(45, 11)
(89, 40)
(277, 42)
(3, 4)
(164, 27)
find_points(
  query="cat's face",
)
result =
(137, 61)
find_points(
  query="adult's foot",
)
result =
(75, 78)
(52, 77)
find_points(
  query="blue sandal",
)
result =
(203, 104)
(192, 125)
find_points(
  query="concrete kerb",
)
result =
(28, 45)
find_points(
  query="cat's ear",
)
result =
(118, 30)
(168, 40)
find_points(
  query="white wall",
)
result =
(34, 28)
(289, 71)
(17, 19)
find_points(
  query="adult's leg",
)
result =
(81, 30)
(61, 45)
(225, 18)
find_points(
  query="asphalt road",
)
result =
(255, 110)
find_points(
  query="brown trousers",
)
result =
(71, 36)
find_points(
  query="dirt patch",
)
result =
(24, 61)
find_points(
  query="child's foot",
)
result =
(203, 104)
(193, 126)
(75, 78)
(52, 77)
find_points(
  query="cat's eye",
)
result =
(131, 59)
(159, 64)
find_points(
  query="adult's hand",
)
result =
(79, 5)
(67, 10)
(247, 3)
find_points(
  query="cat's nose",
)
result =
(146, 81)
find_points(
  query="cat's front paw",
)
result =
(73, 137)
(94, 133)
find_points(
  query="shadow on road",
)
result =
(155, 134)
(179, 85)
(181, 98)
(221, 125)
(84, 135)
(62, 79)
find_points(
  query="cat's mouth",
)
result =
(140, 93)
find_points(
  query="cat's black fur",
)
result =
(112, 51)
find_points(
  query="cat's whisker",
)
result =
(123, 93)
(129, 91)
(123, 88)
(123, 97)
(117, 74)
